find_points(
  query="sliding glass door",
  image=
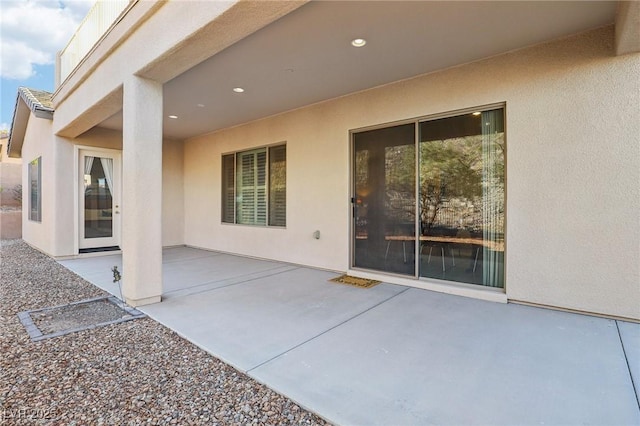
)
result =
(461, 206)
(433, 205)
(384, 202)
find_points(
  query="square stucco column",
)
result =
(142, 192)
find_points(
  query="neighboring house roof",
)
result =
(28, 101)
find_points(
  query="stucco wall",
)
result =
(39, 234)
(10, 177)
(573, 167)
(172, 193)
(172, 182)
(55, 235)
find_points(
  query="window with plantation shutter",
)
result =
(277, 185)
(228, 188)
(254, 187)
(35, 190)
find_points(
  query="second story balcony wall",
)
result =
(95, 25)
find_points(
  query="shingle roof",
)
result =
(36, 100)
(39, 103)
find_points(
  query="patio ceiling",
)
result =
(307, 56)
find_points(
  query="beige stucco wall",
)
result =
(573, 168)
(39, 234)
(55, 235)
(10, 175)
(172, 193)
(10, 178)
(172, 162)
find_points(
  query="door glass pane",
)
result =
(98, 201)
(461, 205)
(384, 206)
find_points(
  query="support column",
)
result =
(142, 191)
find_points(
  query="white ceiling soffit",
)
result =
(306, 56)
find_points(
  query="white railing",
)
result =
(99, 19)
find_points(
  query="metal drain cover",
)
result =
(55, 321)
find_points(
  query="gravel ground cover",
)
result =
(132, 373)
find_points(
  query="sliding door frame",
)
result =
(352, 195)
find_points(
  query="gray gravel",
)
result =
(133, 373)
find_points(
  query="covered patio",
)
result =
(391, 354)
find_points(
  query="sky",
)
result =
(31, 32)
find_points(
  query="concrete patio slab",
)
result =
(254, 321)
(185, 270)
(630, 336)
(429, 358)
(177, 254)
(392, 354)
(180, 276)
(97, 270)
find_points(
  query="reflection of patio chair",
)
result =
(396, 238)
(431, 246)
(467, 247)
(475, 262)
(398, 234)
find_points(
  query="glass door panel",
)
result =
(384, 202)
(99, 212)
(461, 198)
(98, 199)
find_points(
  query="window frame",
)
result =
(35, 212)
(230, 159)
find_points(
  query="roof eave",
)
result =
(18, 128)
(20, 120)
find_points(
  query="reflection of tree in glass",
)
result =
(400, 182)
(277, 185)
(450, 177)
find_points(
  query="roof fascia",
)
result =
(18, 128)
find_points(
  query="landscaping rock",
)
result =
(132, 373)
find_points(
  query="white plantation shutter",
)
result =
(261, 188)
(278, 186)
(228, 188)
(251, 202)
(245, 202)
(254, 187)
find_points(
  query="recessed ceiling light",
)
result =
(173, 117)
(238, 89)
(358, 42)
(476, 113)
(200, 105)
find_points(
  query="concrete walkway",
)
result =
(392, 354)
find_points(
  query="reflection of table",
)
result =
(493, 245)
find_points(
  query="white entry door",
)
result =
(99, 199)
